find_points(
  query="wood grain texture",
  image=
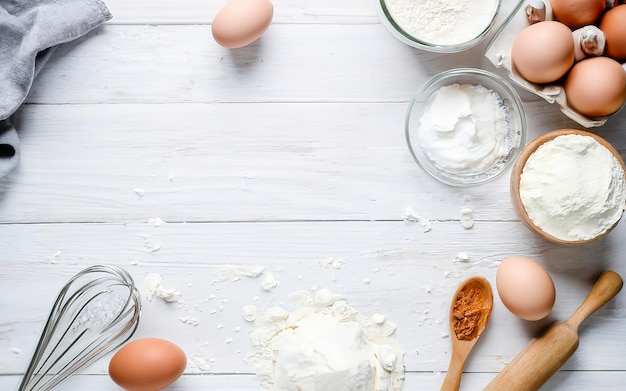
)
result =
(281, 154)
(414, 381)
(412, 275)
(235, 161)
(203, 11)
(300, 63)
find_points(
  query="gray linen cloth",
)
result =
(30, 31)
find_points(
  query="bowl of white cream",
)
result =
(443, 26)
(465, 126)
(569, 186)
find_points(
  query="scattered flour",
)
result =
(270, 282)
(235, 272)
(197, 361)
(249, 313)
(153, 283)
(190, 320)
(157, 222)
(467, 218)
(325, 344)
(54, 258)
(151, 245)
(335, 263)
(412, 216)
(461, 257)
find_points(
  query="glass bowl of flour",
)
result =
(443, 26)
(465, 126)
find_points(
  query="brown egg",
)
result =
(148, 364)
(577, 13)
(596, 87)
(525, 288)
(613, 24)
(241, 22)
(543, 52)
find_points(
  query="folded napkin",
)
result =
(30, 31)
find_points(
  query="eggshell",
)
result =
(543, 52)
(525, 288)
(596, 86)
(613, 24)
(241, 22)
(148, 364)
(577, 13)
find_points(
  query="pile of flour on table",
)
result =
(324, 344)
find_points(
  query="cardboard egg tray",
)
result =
(499, 54)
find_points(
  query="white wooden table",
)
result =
(281, 154)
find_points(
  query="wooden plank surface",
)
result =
(574, 381)
(281, 154)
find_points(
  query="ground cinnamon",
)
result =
(469, 311)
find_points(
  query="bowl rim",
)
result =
(513, 97)
(516, 172)
(405, 37)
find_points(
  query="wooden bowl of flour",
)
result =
(526, 163)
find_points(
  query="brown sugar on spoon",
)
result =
(470, 314)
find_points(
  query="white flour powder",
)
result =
(235, 272)
(443, 22)
(153, 283)
(325, 344)
(573, 188)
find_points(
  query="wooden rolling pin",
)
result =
(545, 354)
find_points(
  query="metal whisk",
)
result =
(95, 312)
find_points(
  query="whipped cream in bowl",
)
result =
(465, 126)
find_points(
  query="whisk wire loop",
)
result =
(96, 311)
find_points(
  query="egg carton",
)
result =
(498, 52)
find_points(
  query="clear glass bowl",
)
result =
(401, 34)
(514, 123)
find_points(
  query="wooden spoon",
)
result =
(469, 313)
(544, 355)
